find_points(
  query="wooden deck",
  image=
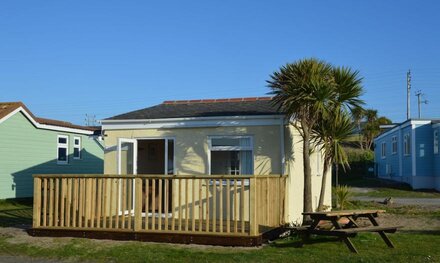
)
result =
(222, 210)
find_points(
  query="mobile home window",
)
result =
(62, 149)
(436, 142)
(407, 144)
(394, 144)
(383, 150)
(76, 148)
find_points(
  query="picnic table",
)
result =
(348, 229)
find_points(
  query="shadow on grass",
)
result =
(297, 242)
(21, 218)
(16, 213)
(421, 232)
(369, 182)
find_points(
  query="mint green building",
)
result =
(31, 145)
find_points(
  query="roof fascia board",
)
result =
(401, 126)
(239, 117)
(45, 126)
(195, 123)
(12, 113)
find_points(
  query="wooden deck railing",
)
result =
(218, 205)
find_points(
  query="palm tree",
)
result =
(330, 134)
(372, 126)
(303, 90)
(337, 127)
(307, 91)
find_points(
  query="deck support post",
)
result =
(253, 224)
(138, 204)
(37, 203)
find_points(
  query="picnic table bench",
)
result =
(346, 230)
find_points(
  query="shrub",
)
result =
(343, 194)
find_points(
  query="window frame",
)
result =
(65, 146)
(383, 150)
(394, 145)
(436, 141)
(231, 148)
(406, 144)
(77, 147)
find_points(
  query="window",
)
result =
(407, 144)
(394, 144)
(383, 150)
(62, 149)
(76, 147)
(435, 141)
(231, 155)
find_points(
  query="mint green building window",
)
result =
(76, 148)
(63, 149)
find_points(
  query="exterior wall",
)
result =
(295, 180)
(191, 147)
(391, 159)
(436, 162)
(192, 157)
(407, 160)
(424, 157)
(420, 168)
(26, 150)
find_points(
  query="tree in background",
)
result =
(358, 115)
(371, 127)
(309, 91)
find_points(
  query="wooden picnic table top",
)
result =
(344, 212)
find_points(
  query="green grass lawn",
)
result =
(371, 247)
(384, 188)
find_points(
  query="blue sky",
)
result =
(65, 59)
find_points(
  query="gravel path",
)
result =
(402, 201)
(16, 259)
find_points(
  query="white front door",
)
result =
(127, 156)
(127, 165)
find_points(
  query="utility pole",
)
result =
(419, 94)
(408, 95)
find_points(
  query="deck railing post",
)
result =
(37, 203)
(253, 224)
(138, 204)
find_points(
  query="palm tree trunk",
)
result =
(323, 186)
(360, 139)
(307, 173)
(337, 174)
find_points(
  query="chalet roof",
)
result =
(8, 107)
(204, 108)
